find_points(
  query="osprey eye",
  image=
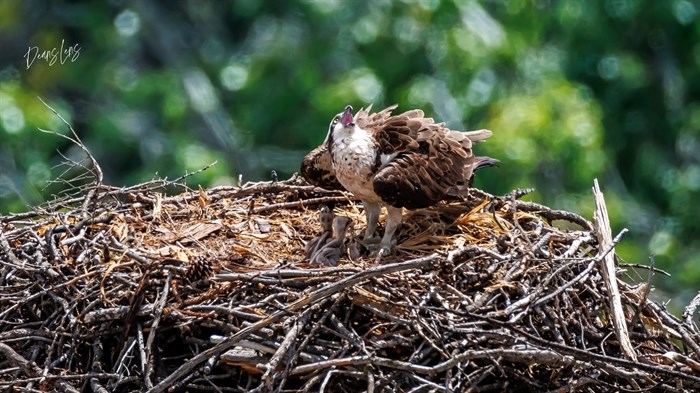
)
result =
(335, 121)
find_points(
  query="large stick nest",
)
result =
(130, 290)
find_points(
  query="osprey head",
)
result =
(342, 120)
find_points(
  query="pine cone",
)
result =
(199, 269)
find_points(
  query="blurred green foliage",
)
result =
(572, 89)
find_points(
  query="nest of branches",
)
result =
(209, 290)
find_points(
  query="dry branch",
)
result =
(604, 235)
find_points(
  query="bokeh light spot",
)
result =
(366, 85)
(234, 77)
(661, 243)
(481, 87)
(684, 11)
(609, 68)
(38, 173)
(127, 23)
(12, 119)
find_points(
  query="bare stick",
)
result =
(158, 312)
(283, 349)
(604, 235)
(689, 311)
(29, 368)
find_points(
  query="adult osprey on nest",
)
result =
(398, 161)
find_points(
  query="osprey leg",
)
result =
(393, 221)
(372, 210)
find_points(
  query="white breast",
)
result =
(354, 158)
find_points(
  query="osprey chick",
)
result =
(398, 161)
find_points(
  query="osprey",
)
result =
(397, 161)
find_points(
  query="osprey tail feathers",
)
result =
(484, 162)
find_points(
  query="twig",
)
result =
(647, 267)
(143, 356)
(283, 349)
(30, 368)
(585, 272)
(300, 203)
(671, 320)
(89, 197)
(158, 312)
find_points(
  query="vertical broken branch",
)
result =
(601, 224)
(689, 311)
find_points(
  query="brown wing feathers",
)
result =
(398, 134)
(431, 160)
(317, 169)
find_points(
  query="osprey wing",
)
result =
(423, 160)
(317, 169)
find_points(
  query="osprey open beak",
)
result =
(346, 119)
